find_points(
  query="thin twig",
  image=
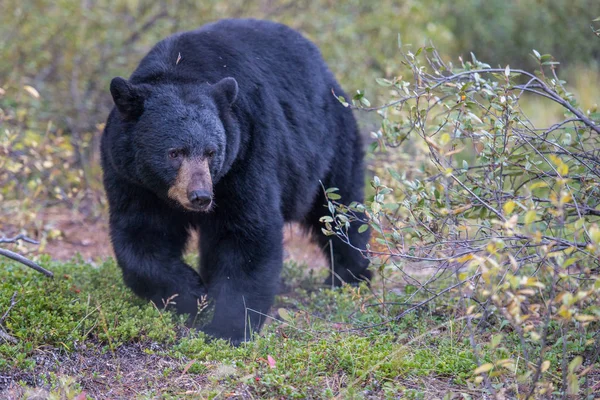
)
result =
(3, 335)
(13, 301)
(17, 238)
(25, 261)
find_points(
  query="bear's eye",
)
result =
(210, 153)
(175, 153)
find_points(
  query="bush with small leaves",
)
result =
(495, 213)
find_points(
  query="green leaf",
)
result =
(342, 100)
(363, 228)
(575, 363)
(383, 82)
(530, 217)
(496, 340)
(284, 315)
(395, 175)
(375, 207)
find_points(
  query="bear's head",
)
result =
(177, 135)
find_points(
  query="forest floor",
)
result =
(83, 334)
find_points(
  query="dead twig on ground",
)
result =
(19, 258)
(3, 335)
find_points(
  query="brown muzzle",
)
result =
(193, 186)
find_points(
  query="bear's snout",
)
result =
(200, 199)
(192, 188)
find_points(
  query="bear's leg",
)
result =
(241, 271)
(346, 262)
(148, 245)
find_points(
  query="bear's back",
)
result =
(248, 49)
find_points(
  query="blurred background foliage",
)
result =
(69, 50)
(58, 57)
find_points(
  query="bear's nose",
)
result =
(199, 198)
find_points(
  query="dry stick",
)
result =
(3, 335)
(25, 261)
(19, 237)
(13, 301)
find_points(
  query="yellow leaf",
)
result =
(537, 185)
(575, 363)
(585, 318)
(595, 234)
(555, 159)
(483, 368)
(530, 217)
(545, 365)
(464, 258)
(32, 91)
(506, 363)
(509, 206)
(461, 209)
(445, 138)
(563, 169)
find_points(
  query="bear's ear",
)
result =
(127, 98)
(227, 87)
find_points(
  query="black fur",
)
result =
(276, 130)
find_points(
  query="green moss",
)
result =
(82, 302)
(326, 336)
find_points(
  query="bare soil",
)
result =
(88, 237)
(124, 373)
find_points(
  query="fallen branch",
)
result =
(25, 261)
(19, 237)
(13, 301)
(19, 258)
(3, 335)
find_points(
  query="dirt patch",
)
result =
(79, 234)
(88, 236)
(126, 373)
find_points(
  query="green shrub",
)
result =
(503, 212)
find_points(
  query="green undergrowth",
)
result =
(319, 343)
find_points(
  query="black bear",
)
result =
(229, 130)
